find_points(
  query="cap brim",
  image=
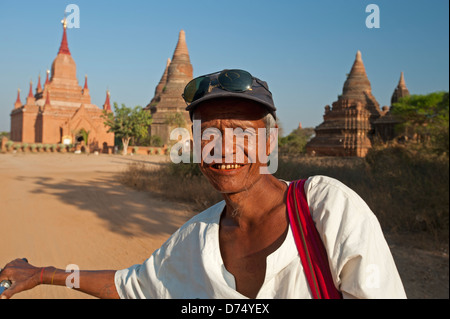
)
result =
(226, 94)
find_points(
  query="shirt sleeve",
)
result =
(361, 263)
(139, 281)
(150, 279)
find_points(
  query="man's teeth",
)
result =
(226, 166)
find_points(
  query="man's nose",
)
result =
(227, 146)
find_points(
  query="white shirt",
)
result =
(189, 263)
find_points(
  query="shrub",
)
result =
(409, 190)
(9, 145)
(295, 142)
(33, 147)
(182, 182)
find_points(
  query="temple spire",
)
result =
(47, 104)
(46, 79)
(39, 86)
(163, 80)
(18, 102)
(181, 49)
(85, 83)
(401, 82)
(400, 91)
(64, 47)
(358, 65)
(357, 83)
(107, 104)
(30, 97)
(47, 99)
(30, 92)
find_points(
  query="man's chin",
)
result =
(229, 180)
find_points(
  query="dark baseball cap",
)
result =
(225, 84)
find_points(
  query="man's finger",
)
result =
(15, 288)
(8, 293)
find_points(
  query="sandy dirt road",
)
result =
(62, 209)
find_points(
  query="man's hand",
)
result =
(98, 283)
(22, 275)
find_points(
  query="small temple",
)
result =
(61, 108)
(353, 121)
(167, 100)
(385, 125)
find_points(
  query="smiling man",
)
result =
(244, 247)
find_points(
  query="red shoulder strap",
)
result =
(309, 244)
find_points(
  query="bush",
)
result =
(182, 182)
(425, 120)
(409, 190)
(9, 145)
(295, 142)
(155, 140)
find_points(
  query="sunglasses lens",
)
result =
(196, 88)
(235, 80)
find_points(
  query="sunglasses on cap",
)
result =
(234, 80)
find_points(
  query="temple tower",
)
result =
(59, 110)
(347, 125)
(168, 99)
(400, 91)
(385, 125)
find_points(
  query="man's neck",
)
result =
(254, 205)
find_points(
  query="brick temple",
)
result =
(61, 108)
(355, 119)
(168, 99)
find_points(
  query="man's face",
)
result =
(241, 169)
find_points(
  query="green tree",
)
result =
(175, 119)
(85, 135)
(425, 119)
(127, 123)
(295, 142)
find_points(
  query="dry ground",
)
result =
(61, 209)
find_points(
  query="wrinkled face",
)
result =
(229, 143)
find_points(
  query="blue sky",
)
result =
(303, 49)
